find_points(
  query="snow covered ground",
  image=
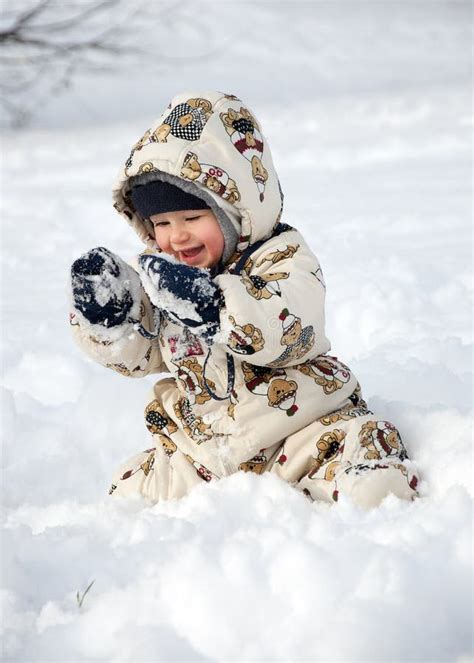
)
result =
(247, 569)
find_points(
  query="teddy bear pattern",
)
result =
(266, 395)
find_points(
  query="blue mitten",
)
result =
(187, 295)
(105, 290)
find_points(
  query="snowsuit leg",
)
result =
(355, 454)
(155, 475)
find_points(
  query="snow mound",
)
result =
(245, 569)
(32, 376)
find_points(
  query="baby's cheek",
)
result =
(219, 245)
(161, 240)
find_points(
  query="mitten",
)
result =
(187, 295)
(105, 290)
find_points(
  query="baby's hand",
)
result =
(104, 287)
(188, 295)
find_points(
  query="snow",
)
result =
(185, 579)
(32, 376)
(376, 174)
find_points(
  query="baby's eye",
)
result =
(160, 223)
(193, 218)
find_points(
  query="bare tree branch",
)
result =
(62, 25)
(53, 41)
(46, 54)
(28, 16)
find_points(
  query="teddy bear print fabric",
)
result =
(263, 394)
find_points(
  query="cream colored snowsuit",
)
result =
(265, 396)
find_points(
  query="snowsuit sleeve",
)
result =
(122, 348)
(274, 309)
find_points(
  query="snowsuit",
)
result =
(265, 395)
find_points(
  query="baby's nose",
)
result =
(179, 235)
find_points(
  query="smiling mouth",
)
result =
(191, 253)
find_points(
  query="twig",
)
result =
(80, 599)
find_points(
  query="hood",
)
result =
(210, 143)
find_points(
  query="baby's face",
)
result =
(191, 236)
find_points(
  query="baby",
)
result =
(229, 300)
